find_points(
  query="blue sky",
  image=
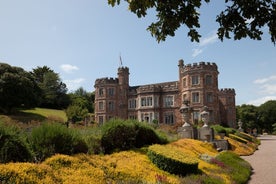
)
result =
(82, 40)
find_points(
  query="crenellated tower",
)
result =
(198, 83)
(227, 107)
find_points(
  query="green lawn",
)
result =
(52, 114)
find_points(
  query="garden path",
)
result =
(263, 161)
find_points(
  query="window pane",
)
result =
(195, 97)
(195, 80)
(209, 80)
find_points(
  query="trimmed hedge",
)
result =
(221, 129)
(248, 137)
(240, 169)
(237, 138)
(172, 160)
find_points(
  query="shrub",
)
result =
(172, 160)
(124, 135)
(146, 135)
(13, 146)
(49, 139)
(92, 137)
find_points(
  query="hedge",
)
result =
(172, 160)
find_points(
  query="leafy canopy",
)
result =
(241, 18)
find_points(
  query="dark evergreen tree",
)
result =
(18, 88)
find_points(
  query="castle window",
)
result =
(111, 106)
(146, 101)
(132, 117)
(195, 80)
(209, 97)
(168, 101)
(208, 80)
(111, 91)
(184, 82)
(101, 92)
(169, 118)
(184, 97)
(132, 103)
(101, 120)
(195, 97)
(101, 105)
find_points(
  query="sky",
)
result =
(83, 40)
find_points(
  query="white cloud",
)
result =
(68, 68)
(265, 80)
(196, 52)
(262, 100)
(267, 88)
(74, 84)
(212, 38)
(204, 42)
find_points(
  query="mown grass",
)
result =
(51, 114)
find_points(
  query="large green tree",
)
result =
(17, 88)
(53, 90)
(240, 19)
(249, 115)
(81, 105)
(268, 115)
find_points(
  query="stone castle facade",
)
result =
(160, 102)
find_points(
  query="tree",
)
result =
(81, 104)
(53, 90)
(17, 88)
(249, 115)
(242, 18)
(268, 115)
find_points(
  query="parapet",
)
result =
(227, 91)
(201, 66)
(123, 69)
(106, 80)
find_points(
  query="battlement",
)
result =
(227, 90)
(106, 80)
(123, 69)
(201, 66)
(149, 88)
(166, 86)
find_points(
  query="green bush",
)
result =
(13, 146)
(123, 135)
(49, 139)
(239, 169)
(92, 137)
(221, 129)
(172, 160)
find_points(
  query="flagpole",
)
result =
(121, 62)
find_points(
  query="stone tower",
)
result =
(198, 83)
(123, 88)
(227, 107)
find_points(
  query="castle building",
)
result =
(160, 102)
